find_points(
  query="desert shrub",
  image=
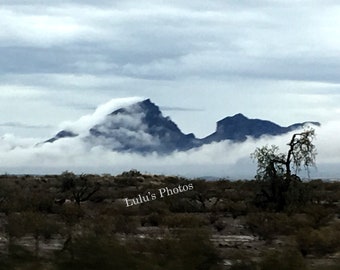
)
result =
(281, 194)
(99, 224)
(173, 180)
(131, 173)
(244, 265)
(42, 201)
(7, 194)
(123, 181)
(319, 215)
(300, 220)
(241, 260)
(187, 250)
(71, 213)
(334, 266)
(124, 224)
(154, 219)
(67, 180)
(219, 225)
(88, 252)
(268, 225)
(198, 252)
(286, 259)
(237, 209)
(20, 224)
(184, 220)
(157, 206)
(20, 258)
(31, 223)
(80, 188)
(319, 242)
(15, 225)
(183, 205)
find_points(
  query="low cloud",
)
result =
(180, 109)
(223, 159)
(20, 92)
(82, 125)
(23, 125)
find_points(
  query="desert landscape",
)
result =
(169, 135)
(73, 221)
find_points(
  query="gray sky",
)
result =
(198, 60)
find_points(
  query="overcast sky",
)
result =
(199, 60)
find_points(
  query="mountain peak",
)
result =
(236, 117)
(147, 102)
(149, 107)
(141, 127)
(146, 106)
(239, 127)
(239, 115)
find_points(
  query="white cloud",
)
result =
(83, 124)
(217, 159)
(20, 91)
(23, 28)
(328, 144)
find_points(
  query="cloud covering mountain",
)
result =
(141, 128)
(224, 158)
(65, 57)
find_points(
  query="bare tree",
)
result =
(279, 186)
(301, 152)
(80, 187)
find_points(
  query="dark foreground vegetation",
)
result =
(82, 222)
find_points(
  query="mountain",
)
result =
(62, 134)
(142, 128)
(239, 127)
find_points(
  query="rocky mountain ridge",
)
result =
(142, 128)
